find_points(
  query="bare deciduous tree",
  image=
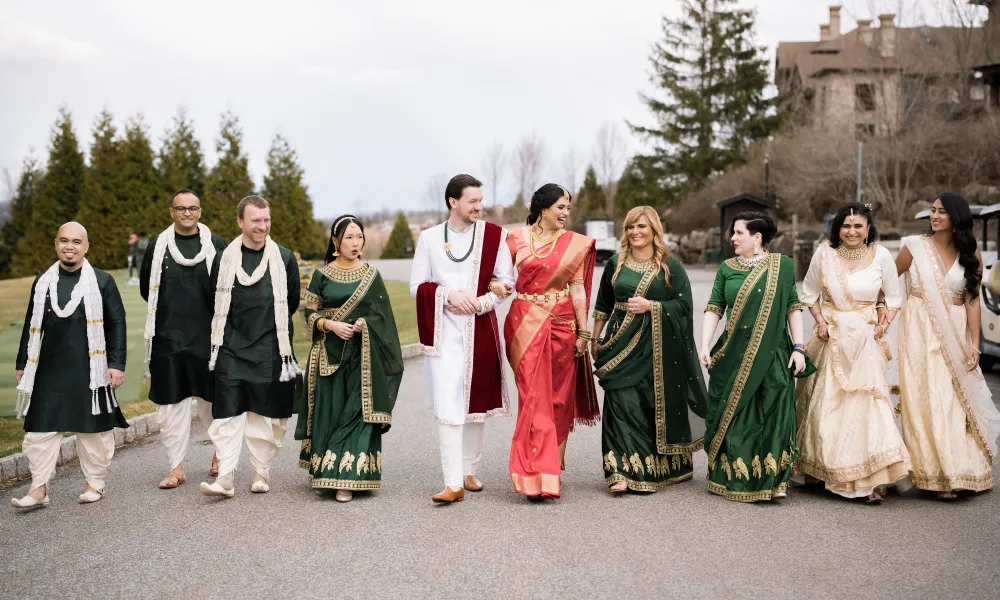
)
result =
(572, 164)
(433, 198)
(609, 158)
(527, 163)
(493, 166)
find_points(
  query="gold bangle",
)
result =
(977, 350)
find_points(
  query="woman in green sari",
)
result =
(654, 391)
(353, 376)
(750, 435)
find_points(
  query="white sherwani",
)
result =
(449, 370)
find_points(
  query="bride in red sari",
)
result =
(547, 338)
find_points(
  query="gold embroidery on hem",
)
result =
(716, 309)
(947, 483)
(721, 490)
(647, 486)
(862, 470)
(600, 316)
(344, 484)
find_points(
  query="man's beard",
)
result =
(69, 263)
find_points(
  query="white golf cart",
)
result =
(602, 230)
(989, 326)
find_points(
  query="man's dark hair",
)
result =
(457, 185)
(254, 200)
(183, 191)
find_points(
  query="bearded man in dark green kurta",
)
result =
(71, 358)
(257, 377)
(174, 279)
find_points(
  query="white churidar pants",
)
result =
(461, 451)
(263, 436)
(94, 450)
(175, 425)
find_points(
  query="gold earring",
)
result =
(336, 252)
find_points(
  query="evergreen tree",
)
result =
(516, 212)
(21, 206)
(105, 210)
(590, 203)
(637, 188)
(143, 191)
(292, 223)
(59, 194)
(228, 182)
(714, 80)
(180, 162)
(400, 243)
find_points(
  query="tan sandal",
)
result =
(171, 481)
(619, 487)
(214, 470)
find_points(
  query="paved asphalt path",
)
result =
(679, 543)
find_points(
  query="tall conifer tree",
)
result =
(590, 203)
(21, 206)
(713, 78)
(180, 162)
(400, 243)
(143, 191)
(105, 210)
(292, 222)
(59, 194)
(228, 181)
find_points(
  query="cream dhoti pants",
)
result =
(94, 450)
(175, 425)
(461, 451)
(263, 436)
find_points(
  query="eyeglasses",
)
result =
(186, 209)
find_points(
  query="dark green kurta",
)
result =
(654, 392)
(249, 364)
(178, 367)
(61, 400)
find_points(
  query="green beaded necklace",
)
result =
(447, 246)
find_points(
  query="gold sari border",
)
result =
(764, 495)
(343, 484)
(948, 483)
(741, 299)
(536, 485)
(647, 486)
(310, 298)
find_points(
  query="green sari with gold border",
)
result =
(654, 392)
(750, 437)
(350, 386)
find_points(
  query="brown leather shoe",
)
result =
(472, 484)
(449, 495)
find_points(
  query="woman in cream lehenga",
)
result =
(847, 434)
(950, 423)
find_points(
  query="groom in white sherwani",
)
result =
(461, 271)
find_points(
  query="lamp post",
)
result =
(861, 150)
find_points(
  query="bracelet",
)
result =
(976, 350)
(583, 334)
(800, 351)
(320, 324)
(880, 305)
(798, 346)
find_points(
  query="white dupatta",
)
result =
(982, 416)
(859, 360)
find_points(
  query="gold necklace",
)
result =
(639, 265)
(852, 254)
(542, 242)
(353, 266)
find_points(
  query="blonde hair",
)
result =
(660, 250)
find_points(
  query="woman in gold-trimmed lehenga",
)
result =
(750, 427)
(950, 423)
(353, 375)
(847, 433)
(654, 390)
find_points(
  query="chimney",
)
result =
(887, 35)
(834, 22)
(824, 33)
(865, 33)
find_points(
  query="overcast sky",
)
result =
(376, 97)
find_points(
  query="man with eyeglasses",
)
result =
(175, 281)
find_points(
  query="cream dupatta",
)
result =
(982, 417)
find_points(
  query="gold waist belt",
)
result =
(955, 298)
(543, 297)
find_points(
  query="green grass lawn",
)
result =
(133, 394)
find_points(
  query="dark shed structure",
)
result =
(730, 207)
